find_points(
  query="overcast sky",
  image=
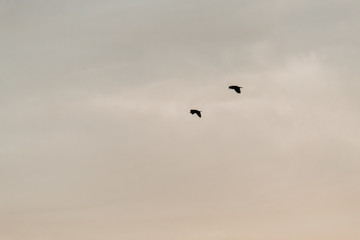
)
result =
(96, 139)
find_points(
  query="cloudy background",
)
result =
(96, 141)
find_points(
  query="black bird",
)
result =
(236, 88)
(192, 111)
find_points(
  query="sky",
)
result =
(97, 141)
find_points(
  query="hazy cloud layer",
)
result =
(97, 142)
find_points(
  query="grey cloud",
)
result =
(97, 141)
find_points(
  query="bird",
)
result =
(193, 111)
(236, 88)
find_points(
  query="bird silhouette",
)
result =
(236, 88)
(197, 112)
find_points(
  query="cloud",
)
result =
(97, 139)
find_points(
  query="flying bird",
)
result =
(197, 112)
(236, 88)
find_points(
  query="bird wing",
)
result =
(199, 114)
(236, 88)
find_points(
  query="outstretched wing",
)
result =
(236, 88)
(197, 112)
